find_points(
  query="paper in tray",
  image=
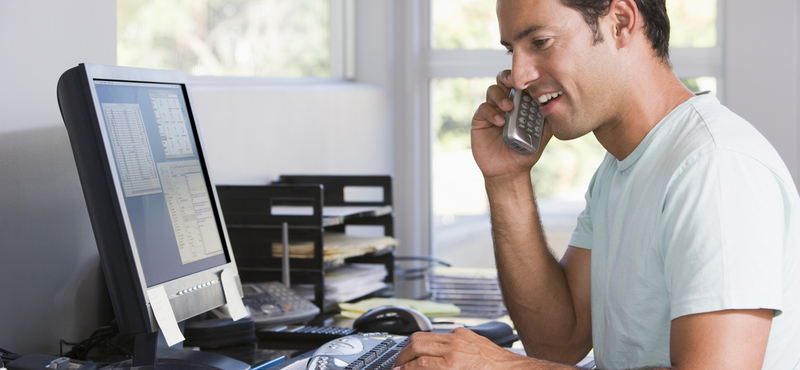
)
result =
(337, 246)
(472, 303)
(440, 285)
(464, 272)
(348, 282)
(475, 291)
(436, 296)
(490, 314)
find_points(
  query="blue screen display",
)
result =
(161, 172)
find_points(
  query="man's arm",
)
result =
(732, 339)
(548, 301)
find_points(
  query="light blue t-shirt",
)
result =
(703, 216)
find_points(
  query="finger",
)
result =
(467, 335)
(495, 108)
(423, 344)
(424, 363)
(498, 97)
(504, 79)
(488, 113)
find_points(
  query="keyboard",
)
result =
(369, 351)
(303, 333)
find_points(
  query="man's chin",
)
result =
(567, 136)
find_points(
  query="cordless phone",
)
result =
(523, 129)
(272, 303)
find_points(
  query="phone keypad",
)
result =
(275, 303)
(529, 119)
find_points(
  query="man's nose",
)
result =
(524, 70)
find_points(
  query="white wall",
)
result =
(50, 281)
(762, 79)
(253, 134)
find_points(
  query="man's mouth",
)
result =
(546, 98)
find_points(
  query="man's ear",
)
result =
(624, 18)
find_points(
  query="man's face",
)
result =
(556, 60)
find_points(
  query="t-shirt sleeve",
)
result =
(582, 236)
(723, 225)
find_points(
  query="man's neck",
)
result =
(654, 95)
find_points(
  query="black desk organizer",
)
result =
(253, 228)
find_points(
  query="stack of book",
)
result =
(348, 282)
(476, 291)
(337, 247)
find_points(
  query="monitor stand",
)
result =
(151, 352)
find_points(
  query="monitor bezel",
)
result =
(189, 295)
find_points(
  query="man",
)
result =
(686, 255)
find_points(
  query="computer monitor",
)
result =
(152, 203)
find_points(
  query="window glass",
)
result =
(226, 37)
(460, 206)
(700, 84)
(693, 23)
(472, 24)
(464, 24)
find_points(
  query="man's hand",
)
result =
(493, 157)
(459, 349)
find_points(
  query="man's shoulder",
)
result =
(728, 132)
(705, 127)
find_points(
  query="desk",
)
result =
(254, 354)
(264, 351)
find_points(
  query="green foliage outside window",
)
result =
(464, 24)
(225, 37)
(693, 23)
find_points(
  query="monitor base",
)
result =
(186, 360)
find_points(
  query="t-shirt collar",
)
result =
(637, 153)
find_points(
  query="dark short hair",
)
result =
(654, 15)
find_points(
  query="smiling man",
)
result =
(686, 255)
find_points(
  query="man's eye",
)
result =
(539, 43)
(509, 52)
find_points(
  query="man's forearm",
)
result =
(534, 285)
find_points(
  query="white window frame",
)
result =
(342, 42)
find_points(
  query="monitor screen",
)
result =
(165, 189)
(151, 200)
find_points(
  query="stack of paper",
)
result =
(337, 246)
(348, 282)
(475, 291)
(427, 308)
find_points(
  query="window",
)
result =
(693, 23)
(694, 43)
(298, 38)
(467, 24)
(467, 30)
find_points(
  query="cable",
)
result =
(409, 274)
(103, 334)
(6, 355)
(422, 258)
